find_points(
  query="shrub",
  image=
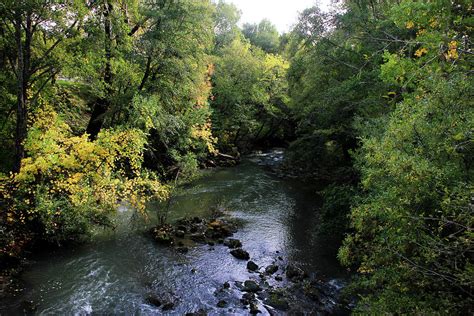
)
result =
(68, 183)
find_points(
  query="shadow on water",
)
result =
(115, 273)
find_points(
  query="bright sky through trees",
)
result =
(282, 13)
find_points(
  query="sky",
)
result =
(282, 13)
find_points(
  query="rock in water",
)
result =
(197, 237)
(271, 269)
(254, 309)
(200, 312)
(247, 298)
(241, 254)
(222, 304)
(168, 306)
(251, 286)
(233, 243)
(182, 249)
(162, 235)
(153, 300)
(294, 273)
(179, 233)
(252, 266)
(277, 300)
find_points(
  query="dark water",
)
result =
(115, 273)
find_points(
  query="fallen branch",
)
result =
(227, 156)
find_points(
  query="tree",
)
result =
(412, 237)
(237, 92)
(226, 18)
(154, 66)
(35, 32)
(175, 83)
(263, 35)
(250, 96)
(334, 83)
(111, 26)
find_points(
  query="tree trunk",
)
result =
(147, 72)
(103, 104)
(23, 75)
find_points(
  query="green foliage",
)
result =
(412, 242)
(237, 90)
(180, 140)
(412, 230)
(226, 17)
(250, 95)
(383, 90)
(69, 183)
(142, 68)
(337, 202)
(378, 98)
(263, 35)
(334, 82)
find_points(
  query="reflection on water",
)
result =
(117, 272)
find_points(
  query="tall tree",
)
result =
(226, 17)
(264, 35)
(111, 26)
(36, 32)
(412, 241)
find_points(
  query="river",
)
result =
(117, 271)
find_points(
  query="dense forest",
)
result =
(112, 101)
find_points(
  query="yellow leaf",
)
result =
(421, 51)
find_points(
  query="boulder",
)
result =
(179, 233)
(168, 306)
(251, 286)
(232, 243)
(197, 237)
(182, 228)
(247, 298)
(197, 220)
(182, 249)
(252, 266)
(254, 308)
(294, 273)
(153, 300)
(162, 235)
(277, 300)
(216, 224)
(241, 254)
(200, 312)
(271, 269)
(221, 304)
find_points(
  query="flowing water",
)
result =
(115, 273)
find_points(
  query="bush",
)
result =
(68, 183)
(337, 201)
(413, 238)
